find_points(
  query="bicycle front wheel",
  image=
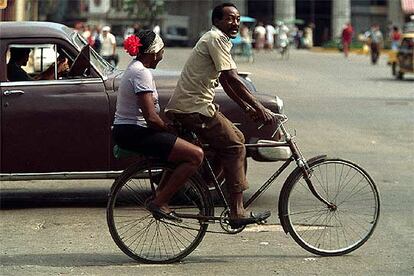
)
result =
(346, 224)
(145, 238)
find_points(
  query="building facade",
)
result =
(192, 17)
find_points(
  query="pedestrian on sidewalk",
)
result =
(270, 37)
(395, 37)
(108, 48)
(259, 36)
(308, 35)
(375, 40)
(347, 33)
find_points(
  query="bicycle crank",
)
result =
(224, 223)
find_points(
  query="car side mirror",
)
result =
(82, 65)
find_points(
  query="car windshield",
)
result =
(97, 61)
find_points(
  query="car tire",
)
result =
(394, 69)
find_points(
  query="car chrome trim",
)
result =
(50, 82)
(13, 92)
(59, 175)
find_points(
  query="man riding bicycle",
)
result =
(192, 105)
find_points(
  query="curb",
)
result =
(336, 50)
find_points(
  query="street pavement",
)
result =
(341, 107)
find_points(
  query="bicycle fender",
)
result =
(283, 193)
(206, 191)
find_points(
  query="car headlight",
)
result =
(279, 104)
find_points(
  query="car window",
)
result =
(407, 44)
(97, 61)
(31, 62)
(28, 61)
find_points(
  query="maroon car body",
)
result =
(62, 127)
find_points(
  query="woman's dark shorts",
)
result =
(144, 140)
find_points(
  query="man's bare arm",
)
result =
(239, 93)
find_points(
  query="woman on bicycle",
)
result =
(139, 128)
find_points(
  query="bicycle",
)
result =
(329, 206)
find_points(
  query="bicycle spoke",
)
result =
(337, 229)
(145, 238)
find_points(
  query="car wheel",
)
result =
(394, 69)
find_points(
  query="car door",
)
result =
(406, 55)
(59, 125)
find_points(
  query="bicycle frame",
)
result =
(296, 156)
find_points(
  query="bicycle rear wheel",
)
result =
(144, 238)
(341, 228)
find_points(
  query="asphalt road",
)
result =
(341, 107)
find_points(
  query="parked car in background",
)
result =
(402, 60)
(61, 128)
(175, 30)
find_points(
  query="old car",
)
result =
(61, 128)
(402, 61)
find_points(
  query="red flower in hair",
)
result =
(132, 44)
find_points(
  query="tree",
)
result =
(146, 10)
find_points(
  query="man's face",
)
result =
(26, 59)
(230, 22)
(23, 59)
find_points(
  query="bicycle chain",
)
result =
(223, 223)
(190, 228)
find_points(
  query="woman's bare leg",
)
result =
(189, 158)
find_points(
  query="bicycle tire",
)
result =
(134, 229)
(325, 231)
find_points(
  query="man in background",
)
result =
(375, 40)
(259, 34)
(108, 46)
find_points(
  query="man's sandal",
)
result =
(254, 218)
(158, 213)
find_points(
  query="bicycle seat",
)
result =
(123, 153)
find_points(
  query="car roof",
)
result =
(33, 29)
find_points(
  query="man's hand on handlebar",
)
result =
(261, 114)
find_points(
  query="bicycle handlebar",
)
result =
(280, 118)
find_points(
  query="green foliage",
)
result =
(336, 43)
(145, 10)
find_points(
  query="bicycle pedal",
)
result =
(262, 222)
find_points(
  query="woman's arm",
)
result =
(146, 103)
(49, 73)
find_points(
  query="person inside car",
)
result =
(19, 58)
(139, 128)
(192, 104)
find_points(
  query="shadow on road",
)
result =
(18, 199)
(96, 259)
(391, 79)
